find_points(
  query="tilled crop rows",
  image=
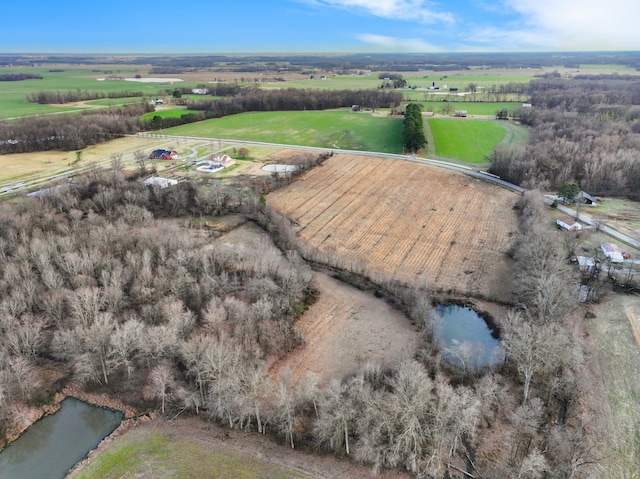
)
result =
(406, 220)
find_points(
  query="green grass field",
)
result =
(177, 113)
(158, 455)
(473, 108)
(463, 139)
(13, 93)
(325, 129)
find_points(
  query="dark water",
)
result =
(465, 338)
(51, 446)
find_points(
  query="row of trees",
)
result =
(290, 99)
(19, 76)
(44, 97)
(413, 135)
(73, 131)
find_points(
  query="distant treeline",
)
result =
(291, 99)
(45, 97)
(584, 131)
(337, 63)
(19, 76)
(71, 131)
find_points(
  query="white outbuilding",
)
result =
(160, 182)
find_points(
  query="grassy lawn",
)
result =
(325, 129)
(156, 454)
(463, 139)
(167, 113)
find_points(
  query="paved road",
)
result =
(425, 161)
(588, 220)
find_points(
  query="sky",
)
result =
(319, 26)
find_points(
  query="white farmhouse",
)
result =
(568, 224)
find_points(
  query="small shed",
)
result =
(569, 224)
(160, 182)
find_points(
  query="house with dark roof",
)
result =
(586, 198)
(161, 154)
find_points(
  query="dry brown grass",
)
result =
(345, 329)
(22, 165)
(408, 221)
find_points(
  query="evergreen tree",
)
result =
(413, 133)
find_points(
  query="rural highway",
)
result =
(424, 161)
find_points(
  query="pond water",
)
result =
(465, 338)
(51, 446)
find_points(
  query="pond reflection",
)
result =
(466, 340)
(51, 446)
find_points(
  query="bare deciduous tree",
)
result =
(160, 385)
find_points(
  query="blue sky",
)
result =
(319, 26)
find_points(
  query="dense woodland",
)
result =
(583, 130)
(71, 131)
(103, 281)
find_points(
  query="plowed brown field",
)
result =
(408, 221)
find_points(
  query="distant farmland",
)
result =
(325, 129)
(463, 139)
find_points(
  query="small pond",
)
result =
(465, 338)
(51, 446)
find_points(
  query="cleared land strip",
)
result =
(407, 220)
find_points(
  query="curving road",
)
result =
(425, 161)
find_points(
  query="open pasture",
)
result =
(68, 77)
(407, 221)
(480, 108)
(325, 129)
(464, 139)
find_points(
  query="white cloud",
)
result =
(395, 44)
(578, 24)
(412, 10)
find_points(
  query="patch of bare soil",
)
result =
(345, 329)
